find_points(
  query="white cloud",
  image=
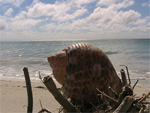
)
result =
(15, 3)
(20, 16)
(102, 14)
(80, 23)
(41, 9)
(107, 2)
(74, 19)
(48, 27)
(146, 4)
(139, 29)
(24, 24)
(9, 12)
(58, 11)
(125, 17)
(66, 16)
(124, 4)
(3, 24)
(142, 21)
(79, 3)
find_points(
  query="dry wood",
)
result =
(135, 84)
(127, 73)
(49, 83)
(144, 98)
(123, 75)
(115, 101)
(29, 90)
(125, 105)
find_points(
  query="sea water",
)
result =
(134, 53)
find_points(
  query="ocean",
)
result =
(134, 53)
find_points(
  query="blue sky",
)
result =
(45, 20)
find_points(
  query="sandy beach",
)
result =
(13, 96)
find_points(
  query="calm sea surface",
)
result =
(135, 53)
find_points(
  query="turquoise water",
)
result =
(134, 53)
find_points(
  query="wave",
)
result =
(111, 52)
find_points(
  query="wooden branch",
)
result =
(49, 83)
(29, 90)
(135, 84)
(127, 73)
(123, 76)
(113, 91)
(144, 98)
(125, 105)
(115, 101)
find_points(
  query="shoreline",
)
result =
(13, 97)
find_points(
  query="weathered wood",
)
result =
(112, 99)
(127, 73)
(135, 84)
(125, 105)
(123, 76)
(49, 83)
(143, 99)
(29, 90)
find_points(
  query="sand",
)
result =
(13, 96)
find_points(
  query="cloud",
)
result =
(123, 4)
(20, 16)
(24, 24)
(79, 3)
(9, 12)
(3, 24)
(41, 9)
(102, 14)
(125, 17)
(107, 2)
(67, 16)
(76, 19)
(142, 21)
(15, 3)
(146, 4)
(58, 11)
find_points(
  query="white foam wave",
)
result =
(148, 73)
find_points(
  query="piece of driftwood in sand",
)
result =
(125, 105)
(126, 100)
(29, 90)
(123, 76)
(49, 83)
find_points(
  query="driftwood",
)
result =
(125, 105)
(126, 101)
(127, 73)
(49, 83)
(123, 75)
(29, 90)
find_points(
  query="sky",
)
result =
(46, 20)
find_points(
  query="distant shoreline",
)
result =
(74, 40)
